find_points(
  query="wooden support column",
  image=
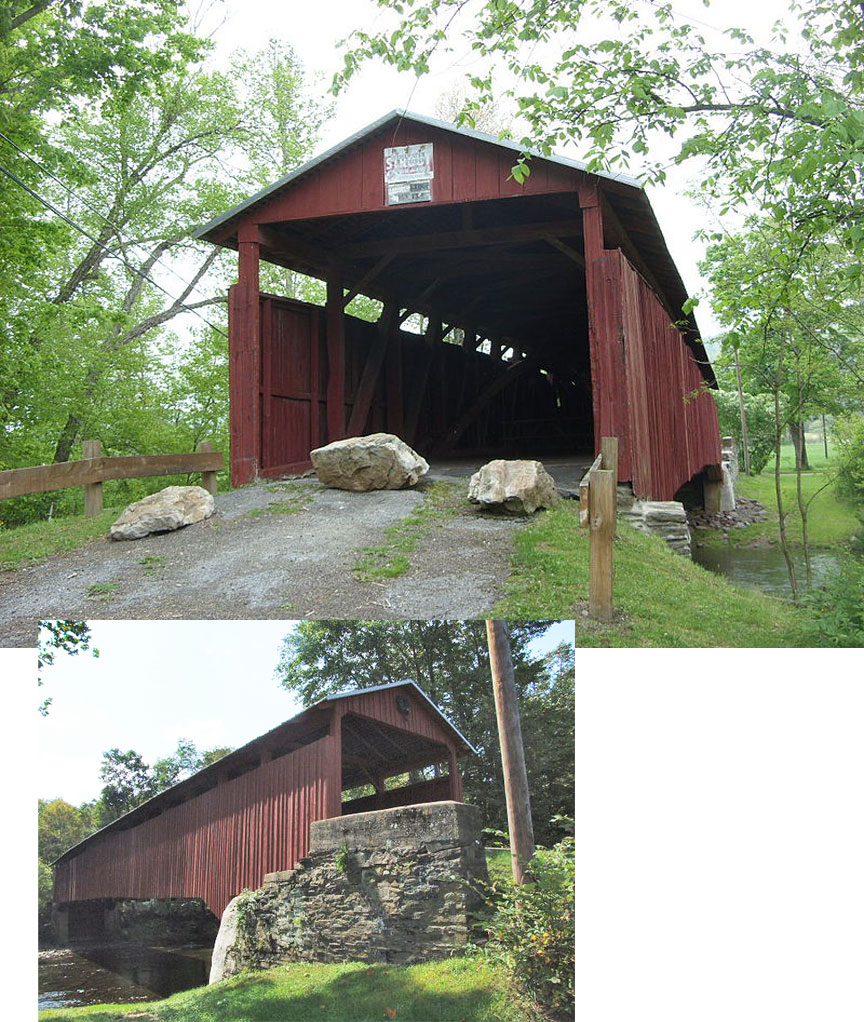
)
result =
(335, 317)
(421, 378)
(605, 330)
(333, 794)
(372, 371)
(244, 357)
(393, 371)
(456, 792)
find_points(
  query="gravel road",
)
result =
(243, 564)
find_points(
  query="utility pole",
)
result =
(512, 749)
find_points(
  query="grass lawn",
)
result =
(466, 989)
(665, 599)
(832, 521)
(26, 544)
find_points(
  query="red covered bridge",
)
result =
(248, 814)
(552, 312)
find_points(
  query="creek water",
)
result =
(764, 567)
(101, 973)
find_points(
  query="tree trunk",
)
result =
(745, 441)
(796, 428)
(800, 466)
(778, 441)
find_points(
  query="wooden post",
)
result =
(93, 498)
(335, 317)
(601, 513)
(455, 777)
(208, 479)
(244, 357)
(598, 507)
(512, 750)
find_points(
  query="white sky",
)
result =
(155, 682)
(316, 30)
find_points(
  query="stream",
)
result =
(764, 567)
(97, 973)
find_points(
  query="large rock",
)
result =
(169, 509)
(519, 487)
(380, 461)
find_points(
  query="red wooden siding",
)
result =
(673, 427)
(220, 841)
(216, 844)
(382, 706)
(465, 169)
(293, 367)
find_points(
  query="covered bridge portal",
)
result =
(548, 312)
(248, 814)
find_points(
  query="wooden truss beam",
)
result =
(513, 235)
(371, 371)
(509, 376)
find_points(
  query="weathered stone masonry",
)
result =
(385, 886)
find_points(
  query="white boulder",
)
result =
(519, 487)
(169, 509)
(380, 461)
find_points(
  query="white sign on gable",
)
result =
(408, 163)
(408, 173)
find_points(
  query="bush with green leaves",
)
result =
(838, 606)
(849, 434)
(532, 932)
(759, 411)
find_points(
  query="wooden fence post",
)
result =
(208, 479)
(598, 506)
(93, 498)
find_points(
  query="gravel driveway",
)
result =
(246, 562)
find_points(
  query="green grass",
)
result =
(447, 991)
(390, 558)
(831, 520)
(27, 544)
(664, 599)
(103, 590)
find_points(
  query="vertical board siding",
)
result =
(465, 170)
(673, 419)
(382, 706)
(216, 844)
(224, 840)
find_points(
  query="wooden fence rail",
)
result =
(598, 506)
(93, 470)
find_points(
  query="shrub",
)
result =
(839, 607)
(849, 434)
(532, 932)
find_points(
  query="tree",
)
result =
(130, 781)
(85, 322)
(61, 826)
(781, 125)
(72, 637)
(449, 661)
(797, 332)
